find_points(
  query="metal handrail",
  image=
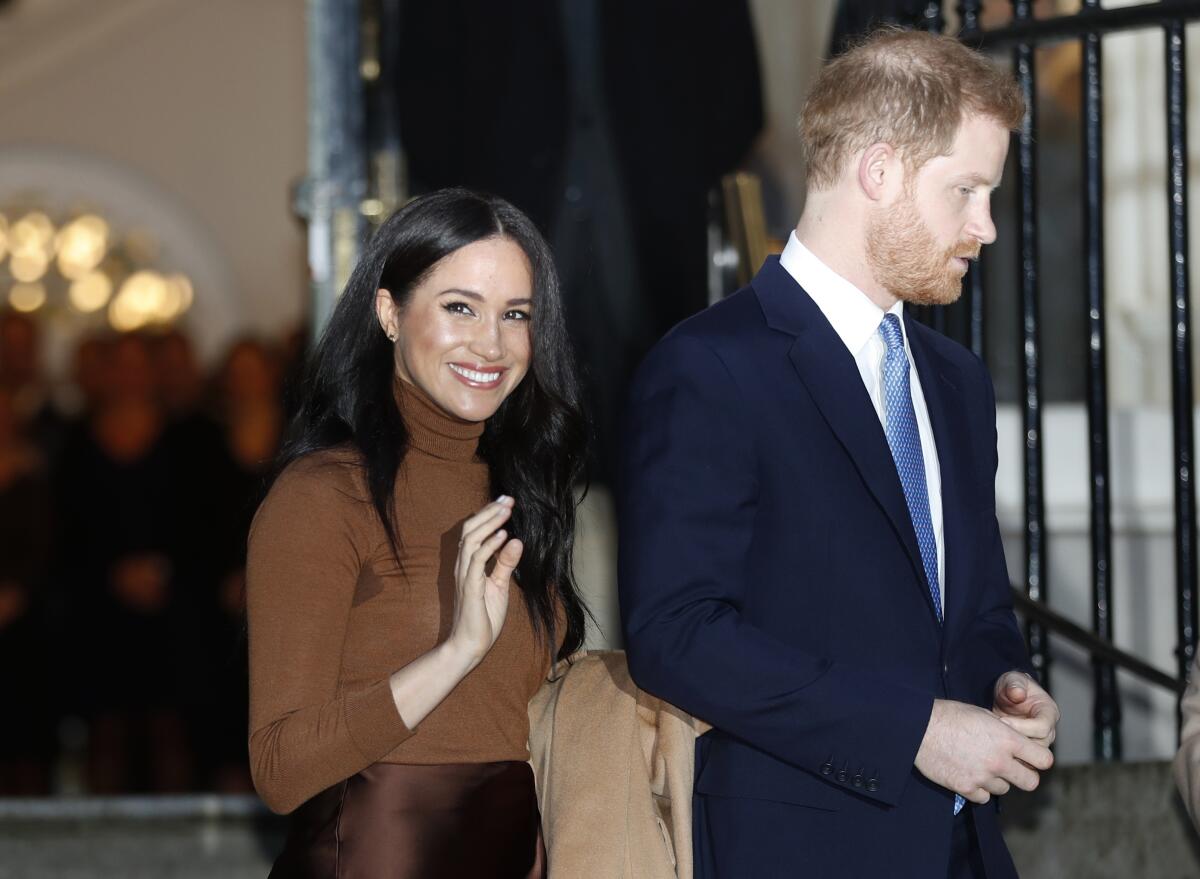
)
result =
(1068, 27)
(1098, 647)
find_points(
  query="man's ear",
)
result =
(876, 166)
(386, 312)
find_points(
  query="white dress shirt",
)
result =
(855, 318)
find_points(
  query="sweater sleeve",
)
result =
(307, 732)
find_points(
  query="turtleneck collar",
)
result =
(431, 430)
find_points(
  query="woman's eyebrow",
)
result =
(478, 297)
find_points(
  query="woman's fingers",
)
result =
(484, 520)
(487, 510)
(477, 528)
(479, 559)
(507, 560)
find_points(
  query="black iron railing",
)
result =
(1021, 37)
(1181, 348)
(1100, 648)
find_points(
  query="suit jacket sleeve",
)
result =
(687, 519)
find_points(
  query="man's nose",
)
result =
(981, 226)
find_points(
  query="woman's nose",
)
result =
(487, 342)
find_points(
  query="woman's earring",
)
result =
(391, 337)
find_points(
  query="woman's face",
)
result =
(463, 336)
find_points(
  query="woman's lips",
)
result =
(475, 376)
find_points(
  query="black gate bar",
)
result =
(1181, 348)
(1031, 384)
(1098, 647)
(933, 21)
(1022, 34)
(1106, 705)
(974, 282)
(1089, 19)
(968, 14)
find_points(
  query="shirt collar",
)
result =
(851, 313)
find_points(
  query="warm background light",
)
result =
(180, 295)
(32, 233)
(91, 292)
(27, 297)
(83, 268)
(28, 265)
(81, 245)
(146, 297)
(123, 316)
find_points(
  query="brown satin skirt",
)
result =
(392, 821)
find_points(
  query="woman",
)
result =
(391, 658)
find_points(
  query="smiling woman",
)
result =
(462, 336)
(391, 661)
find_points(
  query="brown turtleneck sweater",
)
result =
(331, 617)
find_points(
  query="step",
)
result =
(1101, 820)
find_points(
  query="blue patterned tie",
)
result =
(904, 439)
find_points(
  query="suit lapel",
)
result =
(942, 386)
(831, 376)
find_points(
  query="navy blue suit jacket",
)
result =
(771, 584)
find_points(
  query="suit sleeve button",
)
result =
(842, 775)
(872, 785)
(826, 768)
(857, 781)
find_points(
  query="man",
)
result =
(810, 559)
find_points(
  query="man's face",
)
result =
(919, 245)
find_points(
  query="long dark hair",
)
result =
(535, 443)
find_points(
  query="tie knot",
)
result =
(893, 336)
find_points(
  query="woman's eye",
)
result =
(457, 308)
(516, 314)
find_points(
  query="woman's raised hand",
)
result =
(480, 604)
(481, 599)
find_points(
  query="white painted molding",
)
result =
(1141, 468)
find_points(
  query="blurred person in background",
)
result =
(21, 373)
(180, 379)
(249, 411)
(89, 373)
(1187, 758)
(293, 354)
(26, 736)
(116, 566)
(249, 407)
(194, 442)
